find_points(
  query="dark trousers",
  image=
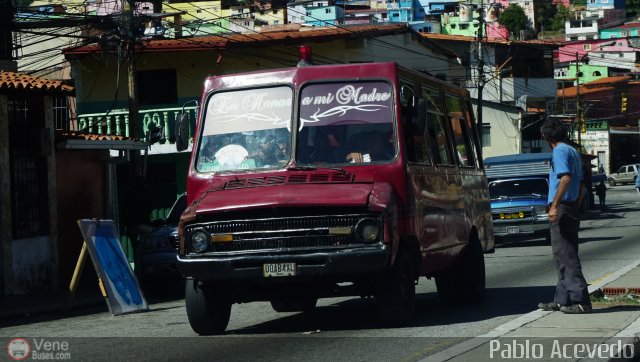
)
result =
(571, 287)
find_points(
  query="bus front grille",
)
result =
(286, 234)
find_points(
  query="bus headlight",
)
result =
(199, 241)
(367, 230)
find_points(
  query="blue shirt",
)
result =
(565, 160)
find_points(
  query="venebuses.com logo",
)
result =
(18, 349)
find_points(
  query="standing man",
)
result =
(565, 196)
(638, 183)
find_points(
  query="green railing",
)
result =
(117, 122)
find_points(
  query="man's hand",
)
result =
(553, 214)
(355, 157)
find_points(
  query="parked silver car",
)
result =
(626, 175)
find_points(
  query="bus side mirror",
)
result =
(420, 115)
(182, 127)
(182, 137)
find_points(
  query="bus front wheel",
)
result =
(395, 293)
(208, 310)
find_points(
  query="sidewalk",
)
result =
(610, 333)
(29, 305)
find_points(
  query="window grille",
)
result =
(61, 113)
(28, 168)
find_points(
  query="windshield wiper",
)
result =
(313, 168)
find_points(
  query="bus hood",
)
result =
(303, 195)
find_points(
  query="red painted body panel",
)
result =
(303, 195)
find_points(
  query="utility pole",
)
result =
(480, 68)
(6, 38)
(134, 127)
(578, 102)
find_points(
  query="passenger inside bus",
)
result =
(372, 146)
(323, 148)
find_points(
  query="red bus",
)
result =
(333, 180)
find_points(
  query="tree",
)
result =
(562, 15)
(633, 8)
(544, 15)
(514, 19)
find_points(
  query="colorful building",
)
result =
(315, 13)
(622, 31)
(587, 24)
(402, 11)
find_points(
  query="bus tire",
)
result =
(465, 282)
(395, 292)
(207, 309)
(295, 304)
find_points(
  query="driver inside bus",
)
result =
(377, 148)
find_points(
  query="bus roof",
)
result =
(301, 74)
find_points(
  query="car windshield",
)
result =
(342, 123)
(177, 209)
(246, 129)
(518, 188)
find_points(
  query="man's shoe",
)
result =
(576, 309)
(551, 307)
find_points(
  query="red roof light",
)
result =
(304, 56)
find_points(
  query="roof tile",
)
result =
(22, 81)
(539, 42)
(250, 39)
(75, 135)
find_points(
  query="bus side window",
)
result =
(416, 144)
(418, 150)
(473, 135)
(436, 131)
(462, 145)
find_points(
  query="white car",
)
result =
(626, 175)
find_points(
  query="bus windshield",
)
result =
(246, 129)
(345, 122)
(339, 123)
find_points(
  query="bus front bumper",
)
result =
(308, 265)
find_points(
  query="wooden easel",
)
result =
(116, 280)
(77, 273)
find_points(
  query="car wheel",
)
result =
(295, 304)
(612, 182)
(395, 292)
(465, 282)
(208, 309)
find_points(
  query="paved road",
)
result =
(519, 275)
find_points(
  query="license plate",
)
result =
(513, 230)
(279, 270)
